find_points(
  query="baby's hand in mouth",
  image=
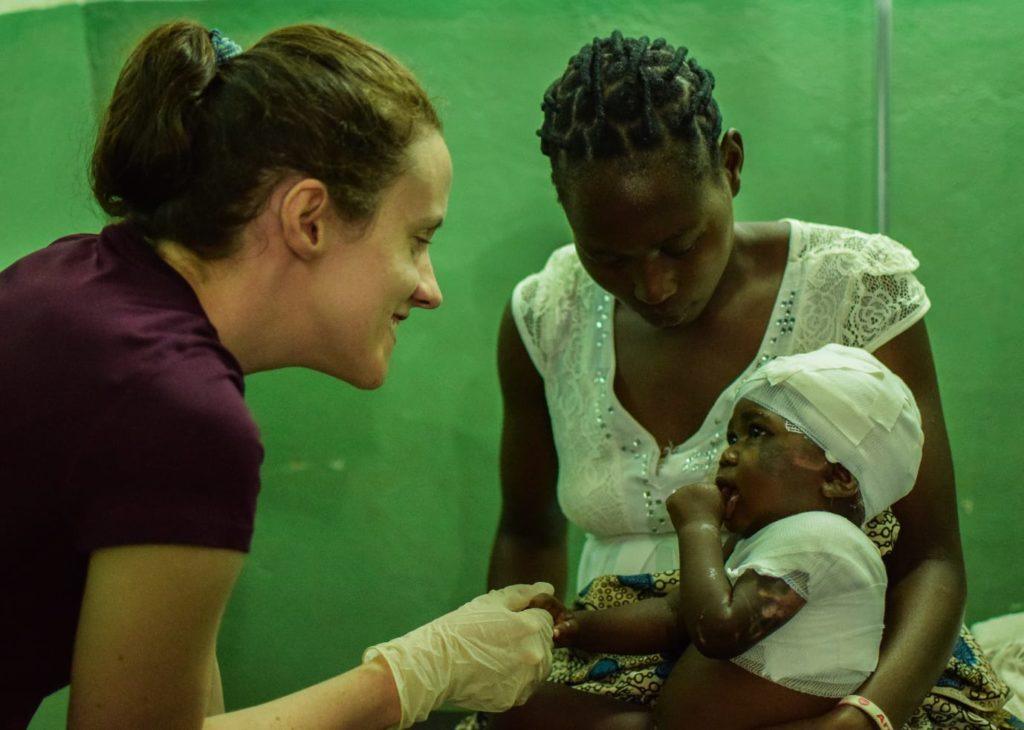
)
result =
(698, 502)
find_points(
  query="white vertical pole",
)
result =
(883, 77)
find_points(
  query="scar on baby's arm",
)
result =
(769, 602)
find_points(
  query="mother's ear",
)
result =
(731, 150)
(839, 483)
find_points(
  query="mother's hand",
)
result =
(841, 718)
(699, 502)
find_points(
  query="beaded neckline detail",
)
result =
(642, 447)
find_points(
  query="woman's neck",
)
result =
(225, 290)
(759, 253)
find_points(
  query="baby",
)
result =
(787, 618)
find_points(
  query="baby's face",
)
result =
(767, 472)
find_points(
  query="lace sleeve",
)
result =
(540, 303)
(860, 289)
(886, 298)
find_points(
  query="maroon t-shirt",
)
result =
(121, 422)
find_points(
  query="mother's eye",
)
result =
(678, 252)
(602, 259)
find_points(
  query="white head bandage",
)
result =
(853, 407)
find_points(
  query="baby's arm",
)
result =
(647, 627)
(650, 626)
(721, 620)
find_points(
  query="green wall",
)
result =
(378, 508)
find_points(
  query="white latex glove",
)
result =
(487, 655)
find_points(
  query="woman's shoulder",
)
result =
(556, 286)
(765, 244)
(552, 304)
(856, 288)
(863, 252)
(562, 264)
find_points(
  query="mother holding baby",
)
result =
(619, 363)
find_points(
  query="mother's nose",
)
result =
(653, 282)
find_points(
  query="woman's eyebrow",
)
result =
(660, 244)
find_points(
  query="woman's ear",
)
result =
(839, 483)
(304, 208)
(731, 149)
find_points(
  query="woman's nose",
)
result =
(428, 291)
(653, 281)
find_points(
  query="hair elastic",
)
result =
(223, 47)
(870, 709)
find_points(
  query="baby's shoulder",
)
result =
(816, 528)
(818, 543)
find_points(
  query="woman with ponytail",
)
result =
(273, 208)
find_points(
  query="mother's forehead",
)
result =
(606, 197)
(674, 166)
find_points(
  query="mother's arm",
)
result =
(530, 544)
(927, 583)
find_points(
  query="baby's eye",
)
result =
(755, 430)
(730, 438)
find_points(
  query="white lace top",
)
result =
(831, 645)
(839, 285)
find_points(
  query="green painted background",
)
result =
(378, 508)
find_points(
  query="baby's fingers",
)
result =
(565, 631)
(548, 603)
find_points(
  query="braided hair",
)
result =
(622, 96)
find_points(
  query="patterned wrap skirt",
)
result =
(968, 695)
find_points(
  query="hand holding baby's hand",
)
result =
(699, 502)
(566, 624)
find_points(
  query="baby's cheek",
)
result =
(809, 459)
(773, 459)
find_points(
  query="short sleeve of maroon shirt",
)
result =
(123, 423)
(175, 459)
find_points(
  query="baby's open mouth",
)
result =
(730, 496)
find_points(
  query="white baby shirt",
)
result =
(831, 645)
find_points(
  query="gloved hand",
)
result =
(488, 655)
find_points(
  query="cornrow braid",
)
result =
(620, 96)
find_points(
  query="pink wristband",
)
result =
(870, 709)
